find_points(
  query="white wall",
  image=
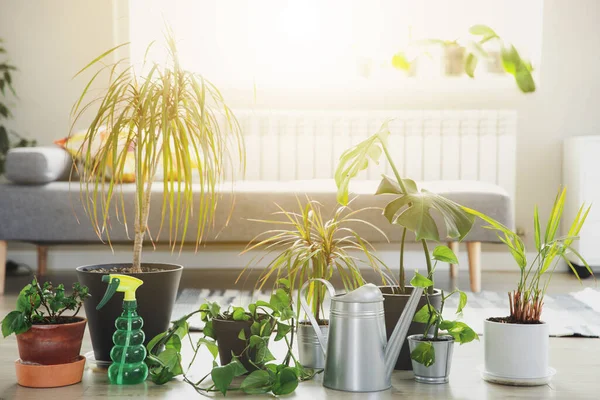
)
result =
(50, 40)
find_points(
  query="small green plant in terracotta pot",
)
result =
(49, 333)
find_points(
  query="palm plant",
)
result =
(169, 118)
(411, 208)
(310, 246)
(526, 302)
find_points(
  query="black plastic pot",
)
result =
(393, 306)
(155, 299)
(227, 335)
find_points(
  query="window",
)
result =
(319, 43)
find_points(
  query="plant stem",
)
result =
(141, 225)
(396, 173)
(429, 267)
(402, 272)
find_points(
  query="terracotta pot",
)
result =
(155, 301)
(52, 344)
(393, 305)
(226, 333)
(48, 376)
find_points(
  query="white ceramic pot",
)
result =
(517, 351)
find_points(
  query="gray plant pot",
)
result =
(310, 353)
(155, 299)
(439, 371)
(393, 305)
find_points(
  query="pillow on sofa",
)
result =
(76, 146)
(37, 165)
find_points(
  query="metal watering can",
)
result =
(358, 356)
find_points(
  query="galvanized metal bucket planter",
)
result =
(310, 353)
(439, 371)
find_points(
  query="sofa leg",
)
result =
(42, 260)
(3, 248)
(455, 247)
(474, 250)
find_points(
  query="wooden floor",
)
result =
(576, 360)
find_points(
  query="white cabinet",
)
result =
(581, 176)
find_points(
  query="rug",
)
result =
(573, 314)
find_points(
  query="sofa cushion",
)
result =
(37, 165)
(53, 213)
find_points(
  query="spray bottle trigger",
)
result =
(110, 290)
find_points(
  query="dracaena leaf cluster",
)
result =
(274, 317)
(305, 244)
(43, 304)
(526, 302)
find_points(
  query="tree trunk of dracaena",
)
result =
(140, 227)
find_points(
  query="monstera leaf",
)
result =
(357, 158)
(412, 210)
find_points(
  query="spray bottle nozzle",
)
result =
(119, 283)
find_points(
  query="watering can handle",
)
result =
(309, 314)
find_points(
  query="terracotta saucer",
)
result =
(48, 376)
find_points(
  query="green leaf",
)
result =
(445, 325)
(174, 343)
(424, 354)
(390, 186)
(427, 314)
(282, 330)
(210, 345)
(462, 302)
(286, 381)
(257, 382)
(514, 65)
(471, 64)
(208, 329)
(239, 314)
(357, 158)
(483, 30)
(399, 61)
(421, 281)
(242, 335)
(444, 254)
(462, 333)
(413, 211)
(24, 300)
(4, 141)
(150, 346)
(13, 323)
(223, 376)
(280, 300)
(171, 359)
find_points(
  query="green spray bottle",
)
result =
(128, 353)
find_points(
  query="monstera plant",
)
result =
(412, 209)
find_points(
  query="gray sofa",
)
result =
(39, 205)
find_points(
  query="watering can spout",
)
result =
(392, 350)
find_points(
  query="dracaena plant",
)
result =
(433, 320)
(43, 304)
(307, 245)
(169, 118)
(268, 318)
(412, 208)
(527, 301)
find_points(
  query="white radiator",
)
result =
(426, 145)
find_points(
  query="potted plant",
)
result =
(510, 59)
(48, 340)
(240, 338)
(431, 351)
(6, 70)
(411, 209)
(516, 346)
(162, 123)
(309, 246)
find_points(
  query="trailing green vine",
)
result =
(265, 318)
